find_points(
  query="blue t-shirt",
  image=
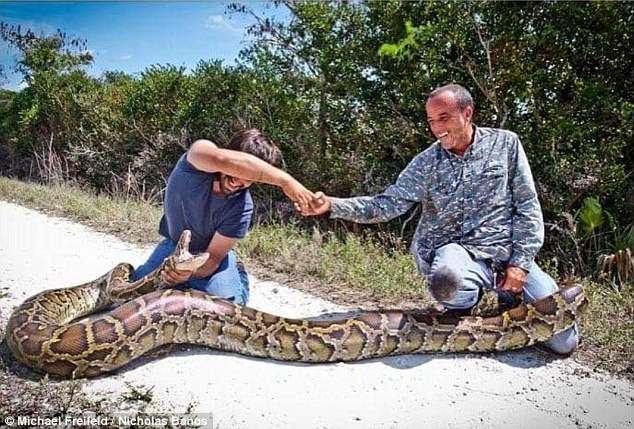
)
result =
(190, 203)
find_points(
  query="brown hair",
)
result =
(256, 143)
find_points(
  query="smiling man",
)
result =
(207, 193)
(481, 223)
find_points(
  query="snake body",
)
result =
(77, 332)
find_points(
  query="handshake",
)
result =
(318, 204)
(306, 202)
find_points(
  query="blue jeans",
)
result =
(229, 281)
(477, 274)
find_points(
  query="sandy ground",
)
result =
(525, 389)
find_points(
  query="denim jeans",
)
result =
(229, 281)
(477, 274)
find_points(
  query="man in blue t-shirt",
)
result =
(207, 193)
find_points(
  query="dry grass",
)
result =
(128, 219)
(608, 330)
(352, 271)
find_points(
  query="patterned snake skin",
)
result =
(79, 332)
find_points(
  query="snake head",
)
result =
(182, 259)
(183, 241)
(190, 262)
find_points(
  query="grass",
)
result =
(128, 219)
(608, 329)
(353, 271)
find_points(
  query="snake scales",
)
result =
(77, 332)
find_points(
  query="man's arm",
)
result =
(376, 209)
(528, 224)
(206, 156)
(394, 201)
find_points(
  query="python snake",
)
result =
(79, 332)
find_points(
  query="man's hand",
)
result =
(297, 193)
(514, 279)
(175, 277)
(318, 205)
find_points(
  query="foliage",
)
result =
(603, 245)
(555, 72)
(327, 53)
(53, 54)
(590, 215)
(47, 112)
(341, 87)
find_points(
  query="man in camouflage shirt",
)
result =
(480, 212)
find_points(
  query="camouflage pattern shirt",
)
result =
(485, 201)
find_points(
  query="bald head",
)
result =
(455, 92)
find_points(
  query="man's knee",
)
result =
(450, 280)
(229, 282)
(538, 284)
(444, 284)
(158, 255)
(448, 286)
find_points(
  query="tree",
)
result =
(49, 117)
(322, 55)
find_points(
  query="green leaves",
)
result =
(590, 216)
(406, 47)
(54, 53)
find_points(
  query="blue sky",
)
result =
(130, 36)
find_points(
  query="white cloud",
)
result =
(125, 57)
(219, 22)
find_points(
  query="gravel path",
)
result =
(525, 389)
